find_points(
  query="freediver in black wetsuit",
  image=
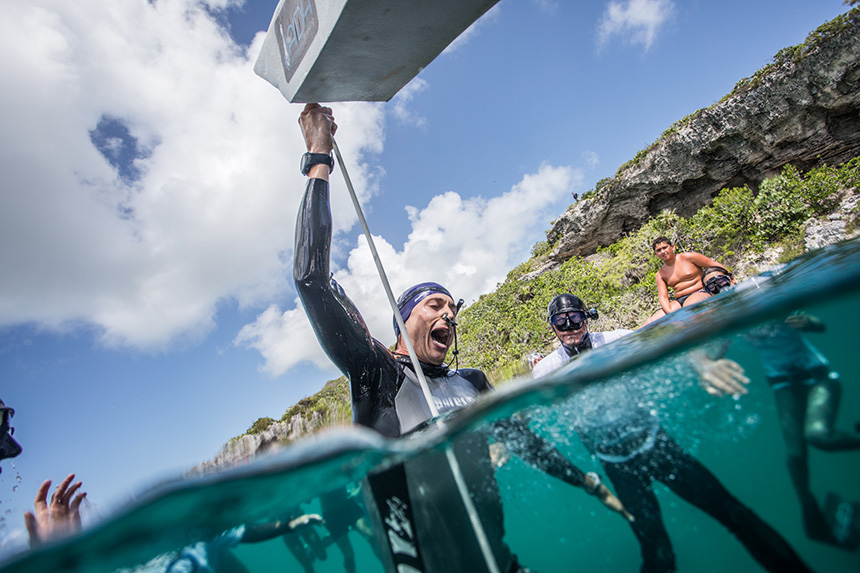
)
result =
(416, 502)
(807, 393)
(618, 426)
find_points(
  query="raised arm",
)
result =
(339, 327)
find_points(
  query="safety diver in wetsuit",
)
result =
(416, 502)
(806, 392)
(617, 425)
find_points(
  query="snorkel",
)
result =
(450, 322)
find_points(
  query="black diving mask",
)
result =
(9, 448)
(567, 321)
(717, 283)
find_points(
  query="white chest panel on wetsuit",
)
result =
(449, 393)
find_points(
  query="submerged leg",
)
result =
(345, 547)
(821, 409)
(297, 548)
(698, 486)
(632, 482)
(791, 408)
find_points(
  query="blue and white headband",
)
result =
(412, 296)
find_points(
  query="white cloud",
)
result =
(400, 103)
(636, 20)
(211, 215)
(547, 6)
(591, 159)
(468, 245)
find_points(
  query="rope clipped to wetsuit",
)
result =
(477, 527)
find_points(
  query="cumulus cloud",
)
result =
(591, 159)
(400, 104)
(147, 170)
(466, 244)
(547, 6)
(636, 20)
(150, 176)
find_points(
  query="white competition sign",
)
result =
(358, 50)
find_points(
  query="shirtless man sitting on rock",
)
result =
(682, 272)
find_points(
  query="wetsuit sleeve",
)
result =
(339, 328)
(536, 451)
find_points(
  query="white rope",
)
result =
(425, 389)
(418, 370)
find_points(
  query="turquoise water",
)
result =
(549, 525)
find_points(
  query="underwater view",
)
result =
(645, 384)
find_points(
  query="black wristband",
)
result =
(311, 159)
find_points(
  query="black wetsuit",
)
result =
(617, 424)
(667, 462)
(417, 503)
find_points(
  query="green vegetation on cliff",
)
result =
(327, 408)
(503, 327)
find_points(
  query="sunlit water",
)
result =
(549, 525)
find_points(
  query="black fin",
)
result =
(844, 520)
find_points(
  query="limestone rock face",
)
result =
(242, 450)
(806, 113)
(820, 233)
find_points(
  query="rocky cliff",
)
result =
(242, 449)
(803, 109)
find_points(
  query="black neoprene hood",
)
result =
(564, 303)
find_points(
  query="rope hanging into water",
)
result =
(480, 534)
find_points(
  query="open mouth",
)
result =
(440, 335)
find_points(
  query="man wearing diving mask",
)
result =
(9, 448)
(568, 317)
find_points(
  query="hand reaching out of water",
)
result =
(721, 377)
(59, 518)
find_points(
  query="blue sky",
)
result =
(151, 183)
